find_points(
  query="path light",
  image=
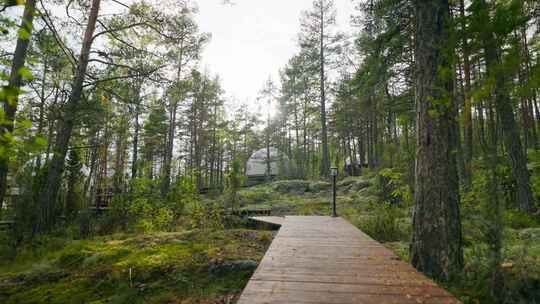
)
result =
(334, 173)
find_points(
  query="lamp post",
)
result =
(334, 173)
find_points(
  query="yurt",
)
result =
(257, 164)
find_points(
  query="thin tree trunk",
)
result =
(135, 159)
(503, 105)
(325, 167)
(41, 110)
(467, 106)
(166, 182)
(268, 161)
(54, 176)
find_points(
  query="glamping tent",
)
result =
(257, 164)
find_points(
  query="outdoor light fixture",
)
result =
(334, 173)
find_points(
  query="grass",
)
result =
(155, 268)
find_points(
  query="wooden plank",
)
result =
(274, 220)
(318, 259)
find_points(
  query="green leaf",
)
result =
(4, 76)
(26, 73)
(8, 137)
(41, 141)
(24, 34)
(26, 124)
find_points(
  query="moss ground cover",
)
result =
(179, 267)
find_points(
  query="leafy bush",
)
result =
(146, 210)
(383, 225)
(234, 180)
(534, 166)
(183, 193)
(519, 220)
(207, 216)
(149, 217)
(393, 188)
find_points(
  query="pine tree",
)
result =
(50, 192)
(436, 247)
(321, 44)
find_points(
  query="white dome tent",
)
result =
(256, 166)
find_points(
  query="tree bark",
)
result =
(13, 89)
(436, 247)
(54, 176)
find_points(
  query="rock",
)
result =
(319, 186)
(219, 267)
(353, 185)
(359, 185)
(346, 182)
(530, 234)
(291, 186)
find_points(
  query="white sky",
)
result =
(253, 39)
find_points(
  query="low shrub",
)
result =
(383, 224)
(393, 188)
(204, 215)
(519, 220)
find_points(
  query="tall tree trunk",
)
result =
(325, 166)
(166, 181)
(467, 105)
(305, 158)
(503, 105)
(436, 247)
(135, 159)
(213, 148)
(120, 157)
(529, 95)
(167, 160)
(42, 102)
(11, 91)
(267, 140)
(54, 176)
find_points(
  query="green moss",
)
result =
(136, 269)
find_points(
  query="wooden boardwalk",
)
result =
(319, 259)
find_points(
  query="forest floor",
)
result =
(187, 267)
(202, 266)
